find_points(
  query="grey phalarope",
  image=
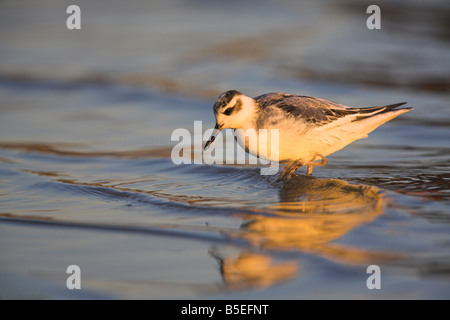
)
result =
(310, 128)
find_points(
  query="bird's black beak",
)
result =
(214, 134)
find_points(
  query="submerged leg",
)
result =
(323, 161)
(289, 170)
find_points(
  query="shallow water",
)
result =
(87, 176)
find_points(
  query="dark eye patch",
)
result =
(228, 111)
(234, 109)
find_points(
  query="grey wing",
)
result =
(311, 109)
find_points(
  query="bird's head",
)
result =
(231, 110)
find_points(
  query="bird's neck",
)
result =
(250, 113)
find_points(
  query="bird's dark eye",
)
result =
(228, 111)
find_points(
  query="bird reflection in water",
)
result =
(311, 214)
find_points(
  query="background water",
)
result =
(86, 119)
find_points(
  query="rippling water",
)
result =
(87, 177)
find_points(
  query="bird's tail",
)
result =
(369, 119)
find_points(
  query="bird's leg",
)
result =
(289, 170)
(323, 161)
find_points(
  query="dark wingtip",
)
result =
(392, 107)
(395, 105)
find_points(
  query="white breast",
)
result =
(264, 143)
